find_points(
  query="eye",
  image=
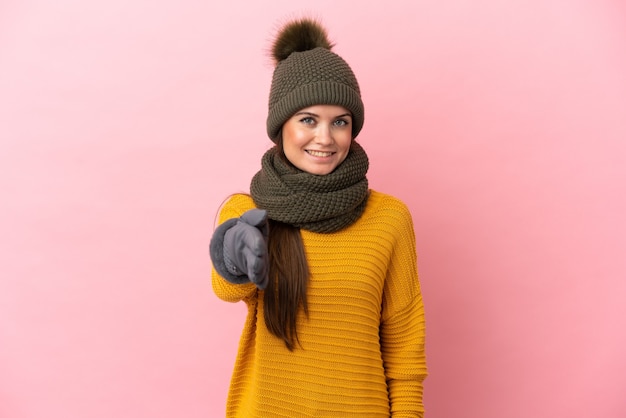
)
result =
(307, 120)
(341, 122)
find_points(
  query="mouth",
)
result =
(319, 153)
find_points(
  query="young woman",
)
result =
(326, 266)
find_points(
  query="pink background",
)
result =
(124, 125)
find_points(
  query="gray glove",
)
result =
(243, 253)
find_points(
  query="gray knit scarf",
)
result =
(316, 203)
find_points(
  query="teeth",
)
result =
(320, 153)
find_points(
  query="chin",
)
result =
(322, 172)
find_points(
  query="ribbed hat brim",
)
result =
(320, 92)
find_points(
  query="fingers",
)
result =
(253, 254)
(245, 250)
(257, 266)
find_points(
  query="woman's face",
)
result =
(317, 138)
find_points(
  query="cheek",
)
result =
(290, 143)
(293, 138)
(289, 151)
(345, 143)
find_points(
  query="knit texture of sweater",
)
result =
(361, 350)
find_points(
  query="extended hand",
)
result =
(245, 247)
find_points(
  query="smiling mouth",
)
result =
(319, 153)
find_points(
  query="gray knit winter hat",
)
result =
(308, 73)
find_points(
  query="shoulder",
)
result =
(235, 205)
(381, 202)
(388, 213)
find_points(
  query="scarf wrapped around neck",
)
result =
(318, 203)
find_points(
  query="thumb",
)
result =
(255, 217)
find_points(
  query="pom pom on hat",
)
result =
(298, 36)
(308, 73)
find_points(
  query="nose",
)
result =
(324, 134)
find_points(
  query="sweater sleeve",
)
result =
(224, 289)
(402, 331)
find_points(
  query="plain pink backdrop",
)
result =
(124, 125)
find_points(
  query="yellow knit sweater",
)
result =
(362, 352)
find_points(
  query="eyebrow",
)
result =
(317, 116)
